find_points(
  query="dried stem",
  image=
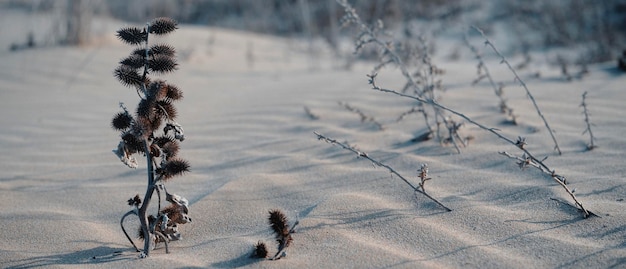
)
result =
(497, 89)
(523, 84)
(423, 175)
(525, 161)
(282, 231)
(588, 123)
(143, 215)
(131, 212)
(372, 81)
(378, 163)
(364, 117)
(520, 143)
(370, 35)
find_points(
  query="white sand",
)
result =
(252, 149)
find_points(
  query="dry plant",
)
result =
(310, 113)
(421, 83)
(527, 160)
(560, 60)
(282, 233)
(422, 174)
(369, 36)
(523, 84)
(498, 89)
(260, 250)
(519, 143)
(153, 132)
(588, 123)
(364, 117)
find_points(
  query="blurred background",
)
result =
(595, 29)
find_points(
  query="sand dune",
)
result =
(252, 149)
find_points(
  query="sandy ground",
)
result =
(252, 149)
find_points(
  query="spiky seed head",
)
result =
(133, 61)
(162, 64)
(145, 127)
(145, 108)
(133, 145)
(162, 140)
(162, 49)
(166, 109)
(173, 92)
(168, 145)
(278, 222)
(152, 124)
(163, 25)
(260, 250)
(173, 167)
(132, 35)
(128, 76)
(140, 52)
(171, 149)
(121, 121)
(280, 226)
(157, 90)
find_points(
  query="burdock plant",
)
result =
(153, 132)
(282, 233)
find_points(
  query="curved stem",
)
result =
(132, 212)
(165, 240)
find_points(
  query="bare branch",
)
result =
(520, 143)
(530, 96)
(364, 117)
(525, 161)
(378, 163)
(497, 89)
(588, 123)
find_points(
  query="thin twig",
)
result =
(498, 91)
(364, 117)
(372, 81)
(370, 35)
(378, 163)
(523, 84)
(520, 143)
(165, 240)
(588, 123)
(526, 161)
(423, 175)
